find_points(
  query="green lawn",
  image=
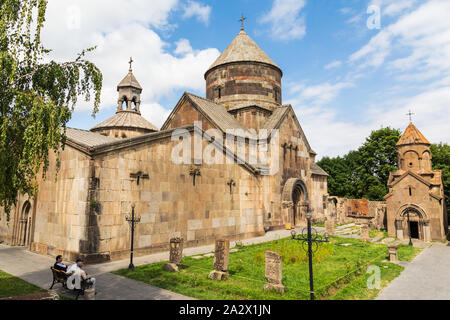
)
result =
(11, 286)
(339, 272)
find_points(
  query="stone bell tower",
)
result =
(416, 202)
(127, 122)
(129, 92)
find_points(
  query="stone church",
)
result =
(416, 201)
(126, 161)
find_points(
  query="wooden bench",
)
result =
(59, 276)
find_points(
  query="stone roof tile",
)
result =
(243, 48)
(412, 135)
(87, 138)
(315, 169)
(129, 81)
(216, 112)
(127, 119)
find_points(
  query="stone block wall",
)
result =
(169, 204)
(360, 211)
(244, 84)
(62, 206)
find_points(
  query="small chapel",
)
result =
(416, 202)
(126, 162)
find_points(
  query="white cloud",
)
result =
(120, 31)
(332, 65)
(413, 53)
(183, 47)
(423, 35)
(327, 135)
(195, 9)
(285, 19)
(316, 95)
(393, 7)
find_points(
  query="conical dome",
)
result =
(244, 76)
(412, 135)
(243, 48)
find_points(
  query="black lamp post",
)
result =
(133, 221)
(310, 239)
(409, 229)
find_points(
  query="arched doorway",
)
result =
(22, 237)
(296, 201)
(411, 219)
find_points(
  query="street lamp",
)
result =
(310, 239)
(133, 221)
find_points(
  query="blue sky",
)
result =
(343, 77)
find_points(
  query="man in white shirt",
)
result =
(77, 274)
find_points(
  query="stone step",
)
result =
(346, 226)
(377, 238)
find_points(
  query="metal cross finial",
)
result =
(410, 114)
(242, 19)
(130, 62)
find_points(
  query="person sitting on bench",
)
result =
(59, 265)
(78, 275)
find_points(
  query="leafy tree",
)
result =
(364, 173)
(36, 98)
(441, 161)
(377, 159)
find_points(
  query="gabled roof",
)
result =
(243, 48)
(315, 169)
(277, 118)
(87, 138)
(212, 111)
(274, 121)
(126, 119)
(409, 173)
(129, 81)
(412, 136)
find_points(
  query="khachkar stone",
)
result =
(221, 256)
(176, 254)
(365, 233)
(329, 226)
(393, 255)
(273, 272)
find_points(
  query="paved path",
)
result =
(427, 277)
(35, 268)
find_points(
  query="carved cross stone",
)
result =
(393, 256)
(365, 233)
(176, 254)
(194, 172)
(329, 226)
(221, 257)
(273, 270)
(138, 176)
(231, 184)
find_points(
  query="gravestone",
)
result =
(273, 272)
(365, 233)
(176, 254)
(329, 227)
(221, 256)
(393, 254)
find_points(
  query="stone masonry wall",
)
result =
(244, 84)
(169, 204)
